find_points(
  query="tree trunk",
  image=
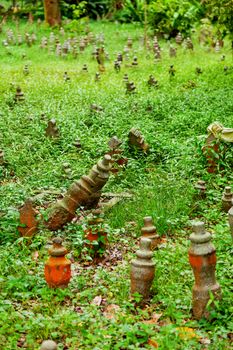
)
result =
(52, 12)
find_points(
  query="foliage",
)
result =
(222, 15)
(173, 119)
(173, 16)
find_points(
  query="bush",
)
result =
(173, 16)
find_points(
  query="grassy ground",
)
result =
(173, 118)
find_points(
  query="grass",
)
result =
(173, 118)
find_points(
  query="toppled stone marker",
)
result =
(202, 258)
(85, 191)
(136, 139)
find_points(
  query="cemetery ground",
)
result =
(96, 310)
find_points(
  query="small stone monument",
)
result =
(227, 199)
(117, 66)
(143, 270)
(48, 345)
(66, 77)
(172, 51)
(149, 231)
(19, 96)
(129, 42)
(67, 170)
(52, 129)
(200, 188)
(171, 71)
(135, 61)
(136, 139)
(77, 144)
(179, 39)
(26, 69)
(125, 78)
(152, 81)
(198, 70)
(97, 76)
(202, 258)
(58, 268)
(85, 68)
(27, 218)
(130, 87)
(189, 44)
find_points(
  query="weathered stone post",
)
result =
(149, 231)
(200, 188)
(143, 270)
(227, 199)
(202, 258)
(58, 268)
(81, 192)
(230, 218)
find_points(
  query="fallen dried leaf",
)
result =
(154, 319)
(153, 343)
(35, 256)
(110, 311)
(205, 341)
(186, 333)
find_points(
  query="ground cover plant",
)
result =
(95, 311)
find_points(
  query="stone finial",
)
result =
(125, 78)
(48, 345)
(136, 139)
(77, 143)
(52, 129)
(149, 231)
(227, 199)
(143, 270)
(27, 218)
(200, 187)
(202, 258)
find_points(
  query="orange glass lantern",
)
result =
(58, 267)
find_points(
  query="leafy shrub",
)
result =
(173, 16)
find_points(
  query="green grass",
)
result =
(173, 118)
